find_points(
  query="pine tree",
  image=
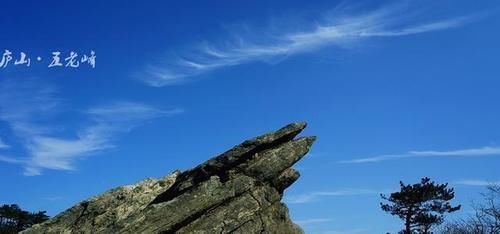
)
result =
(13, 219)
(421, 206)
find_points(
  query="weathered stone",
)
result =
(238, 191)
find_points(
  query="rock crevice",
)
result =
(238, 191)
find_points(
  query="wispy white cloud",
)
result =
(11, 160)
(109, 121)
(476, 182)
(26, 106)
(3, 145)
(30, 113)
(341, 29)
(312, 221)
(376, 158)
(483, 151)
(315, 196)
(475, 152)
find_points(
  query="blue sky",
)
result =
(394, 90)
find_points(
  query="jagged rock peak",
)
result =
(238, 191)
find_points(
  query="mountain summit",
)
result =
(239, 191)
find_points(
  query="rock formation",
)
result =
(238, 191)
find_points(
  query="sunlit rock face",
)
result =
(239, 191)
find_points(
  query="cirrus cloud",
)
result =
(340, 29)
(30, 110)
(3, 145)
(473, 152)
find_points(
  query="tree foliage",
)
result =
(421, 206)
(486, 219)
(13, 219)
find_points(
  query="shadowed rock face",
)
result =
(238, 191)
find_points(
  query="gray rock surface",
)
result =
(238, 191)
